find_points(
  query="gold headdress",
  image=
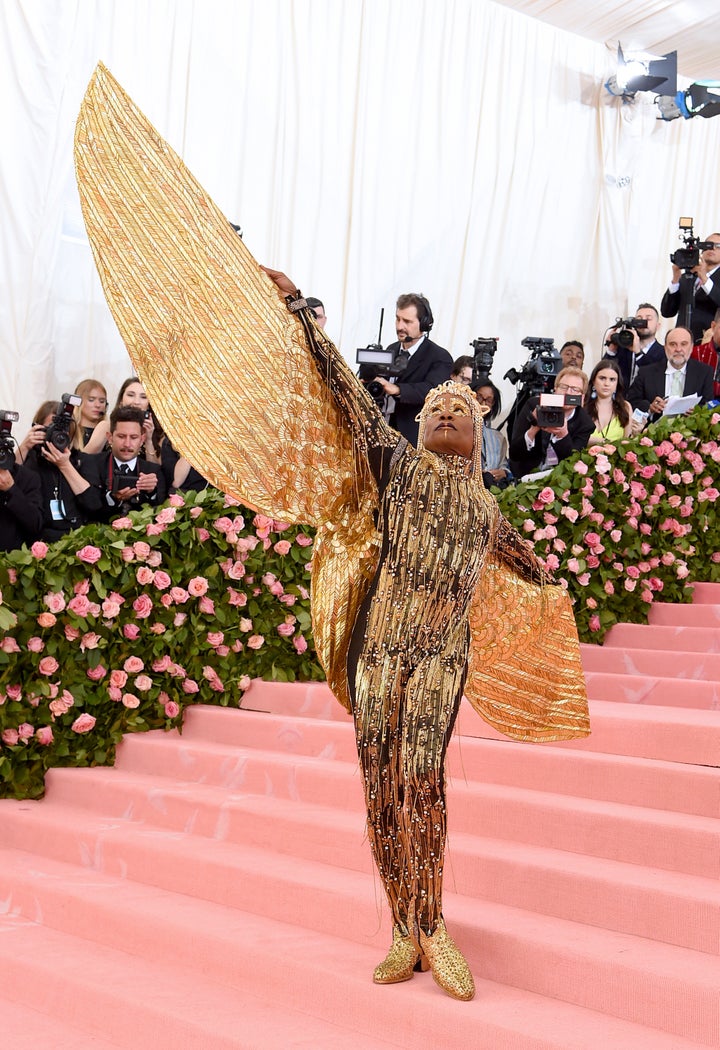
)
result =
(477, 411)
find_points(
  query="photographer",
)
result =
(20, 499)
(634, 345)
(125, 480)
(533, 447)
(706, 289)
(68, 500)
(427, 367)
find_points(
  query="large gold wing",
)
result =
(226, 366)
(525, 676)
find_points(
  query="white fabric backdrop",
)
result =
(368, 148)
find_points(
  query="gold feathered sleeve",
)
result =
(525, 676)
(225, 364)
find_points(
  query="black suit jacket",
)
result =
(650, 383)
(624, 359)
(429, 366)
(524, 460)
(98, 470)
(21, 514)
(704, 306)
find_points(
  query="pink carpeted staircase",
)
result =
(214, 890)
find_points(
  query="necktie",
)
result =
(676, 384)
(123, 468)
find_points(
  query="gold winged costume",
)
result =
(420, 589)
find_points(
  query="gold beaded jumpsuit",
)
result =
(420, 589)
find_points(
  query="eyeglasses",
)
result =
(565, 389)
(489, 399)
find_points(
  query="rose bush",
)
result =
(622, 526)
(116, 628)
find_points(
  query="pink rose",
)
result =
(303, 541)
(179, 619)
(179, 595)
(9, 645)
(46, 620)
(300, 643)
(236, 571)
(142, 549)
(161, 664)
(118, 678)
(630, 584)
(573, 565)
(115, 693)
(25, 730)
(155, 529)
(202, 534)
(282, 547)
(206, 605)
(127, 554)
(594, 623)
(130, 700)
(195, 512)
(144, 575)
(236, 598)
(288, 599)
(269, 578)
(584, 579)
(158, 628)
(143, 682)
(89, 640)
(546, 495)
(154, 559)
(223, 650)
(276, 589)
(215, 638)
(255, 641)
(166, 516)
(14, 692)
(79, 605)
(55, 601)
(48, 665)
(35, 645)
(245, 682)
(96, 674)
(44, 736)
(133, 665)
(609, 587)
(172, 710)
(131, 631)
(83, 723)
(223, 525)
(190, 686)
(10, 737)
(110, 609)
(143, 606)
(580, 467)
(285, 629)
(570, 513)
(71, 633)
(39, 549)
(245, 624)
(90, 555)
(176, 500)
(161, 580)
(122, 523)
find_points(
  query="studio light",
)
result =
(640, 71)
(701, 99)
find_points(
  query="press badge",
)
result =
(56, 510)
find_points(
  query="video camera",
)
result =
(58, 433)
(550, 412)
(7, 442)
(622, 331)
(537, 375)
(687, 258)
(484, 353)
(374, 362)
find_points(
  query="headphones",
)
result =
(425, 318)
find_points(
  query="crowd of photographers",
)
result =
(78, 464)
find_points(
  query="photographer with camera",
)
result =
(709, 353)
(427, 365)
(68, 499)
(695, 285)
(632, 343)
(125, 480)
(543, 436)
(20, 498)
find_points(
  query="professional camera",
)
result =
(374, 362)
(7, 442)
(484, 352)
(622, 331)
(550, 411)
(687, 258)
(537, 375)
(58, 433)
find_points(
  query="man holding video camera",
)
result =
(706, 289)
(126, 480)
(540, 437)
(428, 364)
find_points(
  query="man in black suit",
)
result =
(533, 447)
(428, 366)
(126, 480)
(706, 293)
(679, 375)
(21, 514)
(646, 350)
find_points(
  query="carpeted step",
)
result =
(667, 614)
(667, 639)
(28, 1028)
(698, 667)
(661, 692)
(706, 593)
(631, 978)
(650, 783)
(611, 831)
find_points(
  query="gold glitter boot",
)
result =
(401, 961)
(448, 966)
